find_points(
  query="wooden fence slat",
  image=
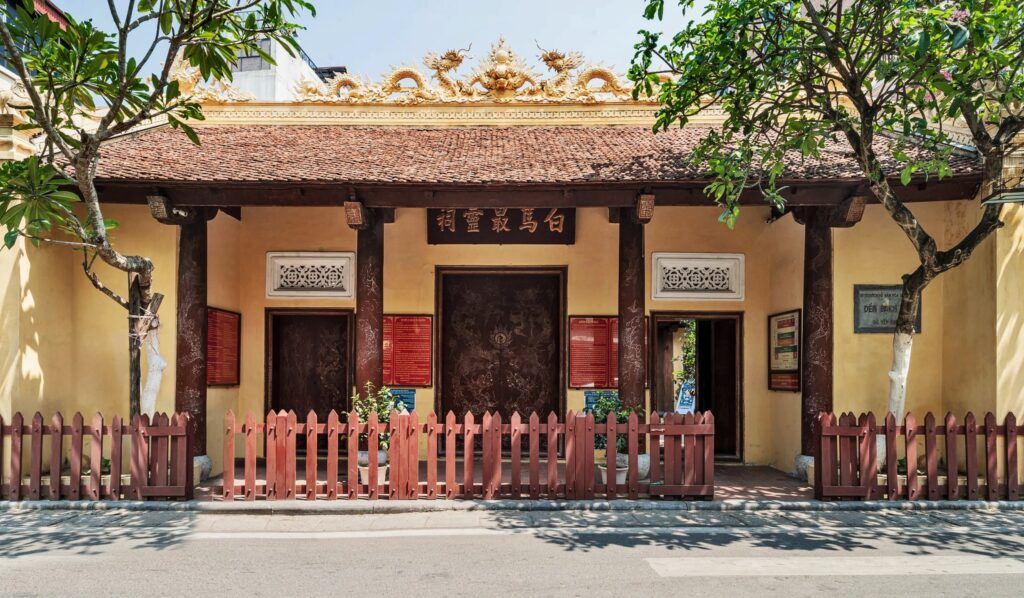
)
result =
(515, 454)
(654, 449)
(610, 442)
(312, 455)
(819, 464)
(292, 432)
(971, 455)
(588, 455)
(869, 456)
(35, 457)
(450, 443)
(552, 455)
(229, 456)
(352, 427)
(250, 457)
(2, 454)
(952, 481)
(991, 458)
(116, 454)
(496, 455)
(270, 453)
(698, 455)
(56, 453)
(633, 445)
(534, 464)
(846, 452)
(828, 463)
(17, 428)
(685, 464)
(910, 437)
(431, 455)
(396, 476)
(372, 445)
(332, 455)
(468, 450)
(158, 452)
(487, 455)
(96, 456)
(181, 457)
(412, 472)
(891, 471)
(709, 455)
(77, 440)
(1012, 488)
(570, 455)
(931, 456)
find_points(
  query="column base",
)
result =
(803, 467)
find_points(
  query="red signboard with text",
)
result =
(224, 330)
(408, 350)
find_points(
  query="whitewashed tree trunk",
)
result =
(155, 365)
(902, 343)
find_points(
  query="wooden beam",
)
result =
(357, 216)
(190, 362)
(370, 305)
(816, 363)
(849, 212)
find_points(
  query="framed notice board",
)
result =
(408, 350)
(784, 351)
(594, 351)
(224, 335)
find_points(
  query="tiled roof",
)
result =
(454, 155)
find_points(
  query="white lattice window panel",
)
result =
(310, 274)
(698, 276)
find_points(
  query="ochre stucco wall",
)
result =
(73, 352)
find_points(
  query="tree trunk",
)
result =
(902, 343)
(134, 346)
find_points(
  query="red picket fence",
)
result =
(846, 463)
(681, 449)
(160, 458)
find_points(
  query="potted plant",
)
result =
(383, 403)
(609, 403)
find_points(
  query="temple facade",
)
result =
(506, 240)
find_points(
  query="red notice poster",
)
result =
(408, 345)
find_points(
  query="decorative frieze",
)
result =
(310, 274)
(715, 276)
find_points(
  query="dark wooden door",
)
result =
(501, 339)
(309, 362)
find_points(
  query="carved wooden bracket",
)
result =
(645, 207)
(360, 217)
(849, 212)
(165, 212)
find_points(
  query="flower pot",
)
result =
(363, 458)
(382, 475)
(643, 465)
(620, 475)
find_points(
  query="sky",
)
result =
(370, 37)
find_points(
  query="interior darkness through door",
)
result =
(699, 356)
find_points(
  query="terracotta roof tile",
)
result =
(457, 155)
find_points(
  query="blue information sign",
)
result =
(406, 396)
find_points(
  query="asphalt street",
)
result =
(513, 553)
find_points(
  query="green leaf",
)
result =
(11, 238)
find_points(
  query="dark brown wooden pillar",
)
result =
(190, 368)
(816, 371)
(631, 309)
(370, 303)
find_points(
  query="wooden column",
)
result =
(631, 309)
(190, 363)
(370, 303)
(816, 370)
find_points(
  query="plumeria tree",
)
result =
(792, 75)
(81, 87)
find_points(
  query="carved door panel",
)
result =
(310, 363)
(501, 338)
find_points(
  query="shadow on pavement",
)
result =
(83, 532)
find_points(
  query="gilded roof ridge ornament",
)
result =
(501, 76)
(192, 87)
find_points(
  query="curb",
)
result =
(365, 507)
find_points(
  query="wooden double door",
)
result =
(308, 365)
(500, 340)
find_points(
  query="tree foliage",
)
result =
(83, 88)
(880, 76)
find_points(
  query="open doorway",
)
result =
(699, 356)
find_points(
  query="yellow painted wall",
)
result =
(876, 251)
(1009, 328)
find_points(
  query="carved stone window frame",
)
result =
(735, 263)
(276, 259)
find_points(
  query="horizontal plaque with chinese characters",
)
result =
(408, 346)
(523, 226)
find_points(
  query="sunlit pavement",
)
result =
(512, 553)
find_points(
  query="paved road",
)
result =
(547, 554)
